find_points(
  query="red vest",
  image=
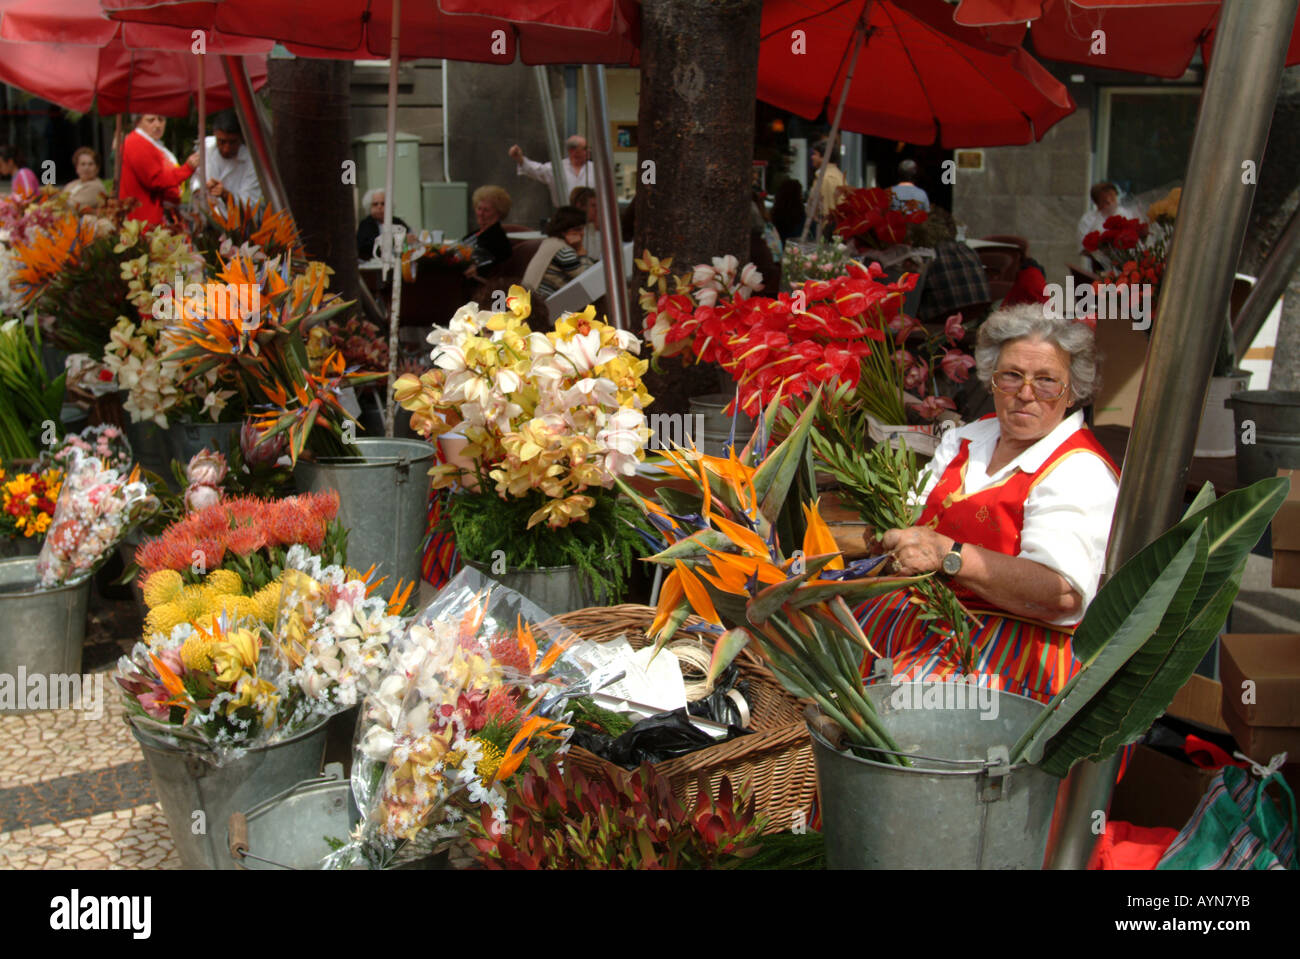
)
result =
(994, 517)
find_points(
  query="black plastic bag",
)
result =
(659, 737)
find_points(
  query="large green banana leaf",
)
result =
(1123, 698)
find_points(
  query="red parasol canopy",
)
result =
(600, 31)
(919, 77)
(114, 79)
(70, 54)
(1153, 37)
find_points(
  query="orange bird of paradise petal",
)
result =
(171, 682)
(697, 594)
(817, 538)
(671, 595)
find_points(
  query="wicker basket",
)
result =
(776, 760)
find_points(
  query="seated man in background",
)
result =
(906, 191)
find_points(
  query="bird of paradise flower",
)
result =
(727, 566)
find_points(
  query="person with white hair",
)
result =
(577, 170)
(1017, 513)
(371, 224)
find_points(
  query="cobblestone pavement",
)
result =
(74, 789)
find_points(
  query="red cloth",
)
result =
(1205, 754)
(148, 178)
(1030, 287)
(1126, 846)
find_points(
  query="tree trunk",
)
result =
(309, 105)
(699, 69)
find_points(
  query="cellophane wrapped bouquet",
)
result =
(240, 671)
(97, 506)
(463, 704)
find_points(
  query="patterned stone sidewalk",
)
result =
(74, 790)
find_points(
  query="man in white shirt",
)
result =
(230, 165)
(577, 170)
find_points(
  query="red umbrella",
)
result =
(82, 22)
(1154, 37)
(112, 78)
(495, 32)
(921, 77)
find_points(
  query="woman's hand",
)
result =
(917, 549)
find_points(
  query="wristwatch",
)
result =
(952, 560)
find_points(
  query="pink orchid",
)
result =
(904, 326)
(957, 365)
(915, 377)
(953, 329)
(932, 406)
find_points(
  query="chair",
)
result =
(1019, 241)
(1001, 265)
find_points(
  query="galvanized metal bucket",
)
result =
(189, 439)
(1271, 418)
(384, 502)
(293, 830)
(556, 589)
(188, 785)
(1215, 437)
(298, 828)
(959, 807)
(718, 425)
(40, 631)
(150, 447)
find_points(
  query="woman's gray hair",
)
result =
(1032, 321)
(369, 198)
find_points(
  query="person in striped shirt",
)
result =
(561, 256)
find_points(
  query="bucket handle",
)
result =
(238, 832)
(982, 763)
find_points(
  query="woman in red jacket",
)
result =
(150, 174)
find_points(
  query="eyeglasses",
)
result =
(1044, 387)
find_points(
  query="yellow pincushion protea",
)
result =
(267, 601)
(234, 605)
(196, 653)
(162, 587)
(225, 581)
(488, 765)
(164, 618)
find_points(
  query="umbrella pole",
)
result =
(815, 194)
(611, 237)
(392, 256)
(202, 192)
(1236, 108)
(553, 141)
(117, 155)
(254, 130)
(1269, 285)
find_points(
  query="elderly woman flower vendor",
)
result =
(1017, 512)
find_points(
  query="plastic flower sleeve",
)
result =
(209, 688)
(96, 508)
(333, 638)
(455, 718)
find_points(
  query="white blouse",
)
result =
(1067, 515)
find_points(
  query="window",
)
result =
(1144, 136)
